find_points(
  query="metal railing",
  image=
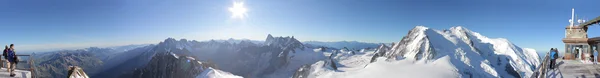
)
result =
(24, 64)
(541, 70)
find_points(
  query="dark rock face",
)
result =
(332, 64)
(168, 65)
(381, 50)
(254, 61)
(92, 60)
(127, 62)
(55, 65)
(243, 58)
(302, 72)
(511, 71)
(152, 60)
(284, 42)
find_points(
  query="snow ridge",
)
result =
(471, 52)
(214, 73)
(454, 52)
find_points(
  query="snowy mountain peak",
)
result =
(458, 27)
(269, 37)
(246, 42)
(214, 73)
(420, 28)
(170, 40)
(382, 49)
(456, 53)
(467, 49)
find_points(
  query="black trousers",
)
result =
(552, 63)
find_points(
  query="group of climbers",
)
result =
(11, 59)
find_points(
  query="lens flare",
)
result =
(238, 10)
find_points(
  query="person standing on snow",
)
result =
(12, 59)
(552, 58)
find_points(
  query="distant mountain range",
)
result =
(342, 44)
(423, 49)
(247, 58)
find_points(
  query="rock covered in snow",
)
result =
(475, 55)
(380, 51)
(283, 42)
(171, 65)
(276, 57)
(214, 73)
(458, 52)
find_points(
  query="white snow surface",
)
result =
(428, 53)
(297, 59)
(214, 73)
(358, 66)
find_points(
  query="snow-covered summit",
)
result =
(472, 53)
(214, 73)
(456, 52)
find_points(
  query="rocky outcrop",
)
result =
(243, 58)
(169, 65)
(414, 45)
(302, 72)
(332, 64)
(283, 42)
(380, 51)
(54, 65)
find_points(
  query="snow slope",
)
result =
(383, 69)
(342, 44)
(296, 61)
(358, 66)
(430, 53)
(214, 73)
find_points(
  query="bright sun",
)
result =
(238, 10)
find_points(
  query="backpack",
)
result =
(4, 53)
(11, 56)
(555, 54)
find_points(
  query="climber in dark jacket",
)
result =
(12, 59)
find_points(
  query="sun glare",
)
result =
(238, 10)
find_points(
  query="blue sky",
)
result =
(39, 25)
